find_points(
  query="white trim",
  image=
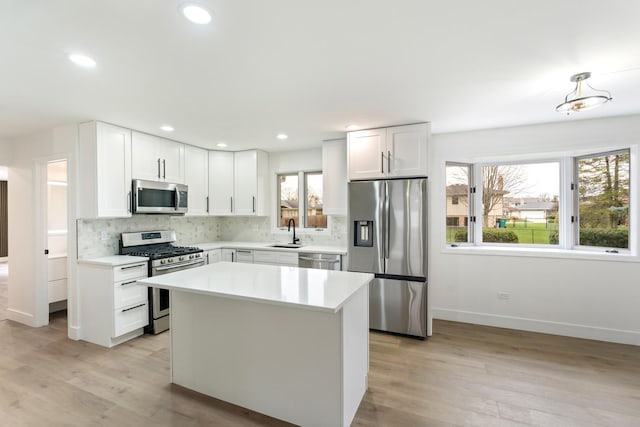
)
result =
(21, 317)
(619, 336)
(540, 252)
(73, 332)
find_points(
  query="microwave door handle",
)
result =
(177, 198)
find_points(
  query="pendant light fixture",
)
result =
(583, 97)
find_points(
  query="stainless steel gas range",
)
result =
(164, 257)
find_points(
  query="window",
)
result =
(314, 218)
(603, 200)
(573, 202)
(520, 203)
(292, 206)
(458, 178)
(288, 199)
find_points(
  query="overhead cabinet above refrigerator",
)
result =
(393, 152)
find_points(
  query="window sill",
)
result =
(541, 253)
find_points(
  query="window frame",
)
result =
(471, 221)
(306, 197)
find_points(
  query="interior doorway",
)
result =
(56, 213)
(4, 244)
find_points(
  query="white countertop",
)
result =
(269, 246)
(114, 260)
(314, 289)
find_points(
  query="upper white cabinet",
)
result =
(399, 151)
(197, 179)
(220, 183)
(238, 183)
(334, 177)
(157, 159)
(104, 168)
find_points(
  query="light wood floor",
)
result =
(464, 375)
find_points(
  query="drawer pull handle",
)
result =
(127, 283)
(134, 307)
(331, 261)
(132, 266)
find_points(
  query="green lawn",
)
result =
(528, 233)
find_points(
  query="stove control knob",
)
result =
(181, 258)
(190, 256)
(170, 260)
(161, 261)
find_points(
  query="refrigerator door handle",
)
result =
(387, 224)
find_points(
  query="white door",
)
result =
(246, 182)
(197, 179)
(407, 150)
(367, 154)
(220, 183)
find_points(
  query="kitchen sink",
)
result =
(286, 245)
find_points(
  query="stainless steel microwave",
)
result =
(159, 197)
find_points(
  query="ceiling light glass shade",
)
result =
(167, 128)
(282, 136)
(583, 97)
(221, 144)
(196, 13)
(82, 60)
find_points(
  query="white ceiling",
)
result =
(309, 68)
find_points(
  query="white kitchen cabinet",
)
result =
(114, 308)
(214, 256)
(196, 176)
(57, 279)
(394, 152)
(157, 159)
(334, 177)
(228, 255)
(251, 183)
(221, 183)
(275, 258)
(244, 255)
(238, 183)
(104, 171)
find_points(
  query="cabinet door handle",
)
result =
(388, 161)
(158, 167)
(254, 204)
(207, 199)
(134, 307)
(231, 205)
(382, 162)
(129, 202)
(127, 283)
(164, 168)
(131, 266)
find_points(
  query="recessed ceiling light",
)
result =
(221, 144)
(352, 127)
(82, 60)
(167, 128)
(196, 13)
(282, 136)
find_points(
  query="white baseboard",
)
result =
(619, 336)
(73, 332)
(21, 317)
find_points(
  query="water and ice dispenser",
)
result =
(363, 231)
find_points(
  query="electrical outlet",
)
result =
(104, 235)
(504, 295)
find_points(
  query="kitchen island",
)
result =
(287, 342)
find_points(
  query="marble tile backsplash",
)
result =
(188, 230)
(191, 230)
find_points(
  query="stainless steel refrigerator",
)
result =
(388, 237)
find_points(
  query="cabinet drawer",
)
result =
(57, 268)
(130, 318)
(128, 293)
(213, 256)
(130, 271)
(275, 257)
(243, 255)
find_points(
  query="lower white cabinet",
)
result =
(213, 256)
(275, 258)
(244, 255)
(57, 275)
(113, 307)
(228, 255)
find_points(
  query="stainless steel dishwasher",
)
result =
(321, 261)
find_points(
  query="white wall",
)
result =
(27, 294)
(586, 298)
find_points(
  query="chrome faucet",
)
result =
(295, 239)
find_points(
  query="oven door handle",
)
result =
(171, 267)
